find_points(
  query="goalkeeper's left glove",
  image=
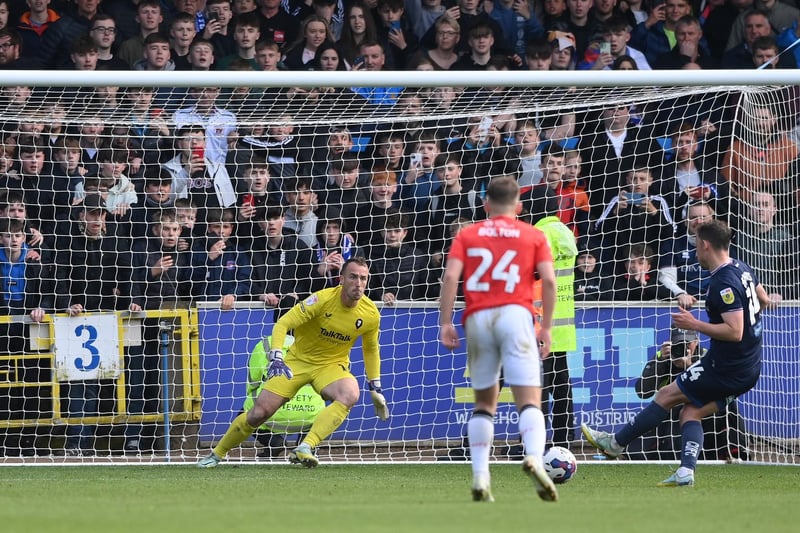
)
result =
(378, 401)
(277, 366)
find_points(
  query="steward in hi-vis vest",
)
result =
(541, 206)
(295, 416)
(564, 249)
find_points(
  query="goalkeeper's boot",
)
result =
(304, 455)
(544, 485)
(676, 480)
(209, 461)
(481, 491)
(603, 441)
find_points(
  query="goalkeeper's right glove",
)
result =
(277, 366)
(378, 400)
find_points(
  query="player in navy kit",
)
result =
(728, 369)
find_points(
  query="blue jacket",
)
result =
(516, 33)
(230, 273)
(651, 42)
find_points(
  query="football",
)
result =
(560, 464)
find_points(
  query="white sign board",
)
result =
(87, 347)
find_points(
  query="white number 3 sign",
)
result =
(87, 347)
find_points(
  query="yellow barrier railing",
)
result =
(40, 359)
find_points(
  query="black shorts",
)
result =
(703, 385)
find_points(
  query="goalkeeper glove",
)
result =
(378, 401)
(277, 366)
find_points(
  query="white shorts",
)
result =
(502, 337)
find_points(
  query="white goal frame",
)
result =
(728, 79)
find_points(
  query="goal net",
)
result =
(152, 230)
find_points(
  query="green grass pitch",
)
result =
(381, 498)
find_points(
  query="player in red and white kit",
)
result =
(499, 260)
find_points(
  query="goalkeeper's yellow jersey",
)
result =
(325, 330)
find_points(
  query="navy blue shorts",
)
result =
(703, 385)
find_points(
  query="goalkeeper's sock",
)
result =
(532, 430)
(236, 434)
(480, 431)
(691, 444)
(647, 419)
(326, 423)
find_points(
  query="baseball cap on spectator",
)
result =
(93, 202)
(679, 336)
(562, 39)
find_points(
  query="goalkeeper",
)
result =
(294, 417)
(326, 325)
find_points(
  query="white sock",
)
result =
(480, 431)
(683, 471)
(532, 431)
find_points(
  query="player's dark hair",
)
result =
(503, 190)
(717, 233)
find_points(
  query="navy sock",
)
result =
(647, 419)
(691, 443)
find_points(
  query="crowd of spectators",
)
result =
(625, 174)
(217, 195)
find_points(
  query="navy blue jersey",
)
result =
(733, 287)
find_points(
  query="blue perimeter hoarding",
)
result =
(428, 390)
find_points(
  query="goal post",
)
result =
(158, 363)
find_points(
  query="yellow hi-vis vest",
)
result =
(564, 249)
(296, 415)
